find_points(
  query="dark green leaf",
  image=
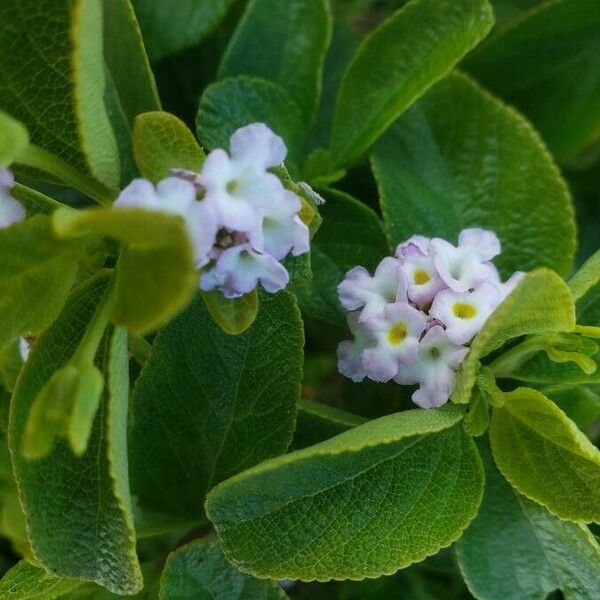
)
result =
(578, 402)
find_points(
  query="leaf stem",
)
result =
(140, 348)
(506, 363)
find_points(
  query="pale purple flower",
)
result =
(349, 352)
(239, 269)
(434, 370)
(464, 313)
(24, 348)
(11, 210)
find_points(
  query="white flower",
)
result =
(11, 210)
(281, 230)
(396, 334)
(418, 267)
(464, 313)
(372, 294)
(434, 370)
(509, 285)
(175, 196)
(349, 352)
(24, 348)
(463, 267)
(239, 269)
(239, 186)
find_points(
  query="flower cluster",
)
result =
(412, 320)
(11, 210)
(240, 218)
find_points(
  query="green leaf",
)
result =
(170, 26)
(13, 139)
(543, 454)
(230, 104)
(558, 82)
(397, 63)
(59, 97)
(540, 303)
(208, 405)
(199, 571)
(477, 419)
(517, 550)
(585, 285)
(317, 422)
(232, 315)
(578, 402)
(351, 234)
(162, 142)
(294, 36)
(97, 541)
(156, 276)
(540, 369)
(37, 271)
(353, 506)
(28, 582)
(34, 202)
(459, 158)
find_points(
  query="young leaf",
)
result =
(97, 541)
(294, 36)
(354, 506)
(170, 26)
(13, 139)
(397, 63)
(227, 105)
(37, 270)
(156, 275)
(208, 405)
(540, 303)
(516, 550)
(28, 582)
(59, 42)
(540, 369)
(351, 234)
(162, 142)
(459, 158)
(558, 87)
(199, 571)
(543, 454)
(232, 315)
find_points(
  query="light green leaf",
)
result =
(199, 571)
(37, 270)
(294, 36)
(517, 550)
(59, 97)
(585, 285)
(208, 405)
(232, 315)
(13, 139)
(558, 82)
(543, 454)
(162, 142)
(578, 402)
(97, 541)
(34, 202)
(540, 303)
(540, 369)
(170, 26)
(397, 63)
(351, 234)
(459, 158)
(477, 418)
(156, 276)
(232, 103)
(353, 506)
(28, 582)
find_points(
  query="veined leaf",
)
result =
(37, 270)
(558, 81)
(294, 36)
(208, 405)
(28, 582)
(156, 276)
(543, 454)
(578, 402)
(199, 571)
(397, 63)
(354, 506)
(13, 139)
(59, 97)
(459, 158)
(516, 550)
(540, 303)
(540, 369)
(232, 315)
(162, 142)
(585, 285)
(97, 541)
(351, 234)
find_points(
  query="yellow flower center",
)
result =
(463, 310)
(397, 333)
(421, 276)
